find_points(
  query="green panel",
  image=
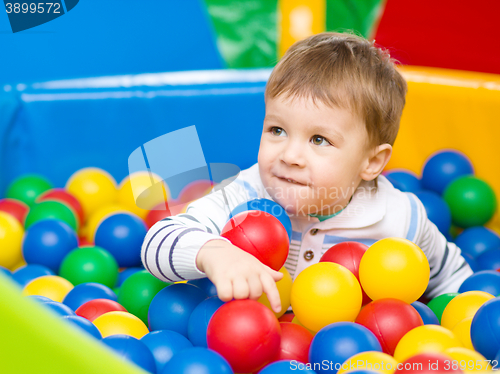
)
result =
(247, 31)
(361, 16)
(35, 340)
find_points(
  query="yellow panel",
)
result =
(300, 19)
(450, 109)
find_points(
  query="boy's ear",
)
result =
(378, 158)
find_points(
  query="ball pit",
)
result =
(27, 188)
(84, 292)
(164, 344)
(438, 304)
(197, 359)
(97, 307)
(133, 350)
(52, 286)
(11, 238)
(463, 306)
(377, 361)
(199, 318)
(15, 208)
(63, 196)
(404, 180)
(120, 323)
(476, 240)
(83, 324)
(51, 210)
(427, 315)
(27, 273)
(485, 329)
(462, 332)
(427, 363)
(485, 280)
(295, 342)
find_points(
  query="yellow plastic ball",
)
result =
(98, 216)
(11, 239)
(113, 323)
(394, 268)
(462, 332)
(463, 306)
(52, 286)
(373, 361)
(427, 338)
(468, 360)
(285, 289)
(140, 192)
(93, 187)
(325, 293)
(297, 322)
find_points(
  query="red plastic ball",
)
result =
(157, 214)
(295, 342)
(63, 196)
(15, 208)
(97, 307)
(428, 363)
(348, 254)
(260, 234)
(246, 333)
(287, 317)
(389, 320)
(195, 190)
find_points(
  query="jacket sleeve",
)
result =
(448, 269)
(171, 245)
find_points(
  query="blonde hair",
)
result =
(346, 71)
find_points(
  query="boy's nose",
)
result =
(293, 155)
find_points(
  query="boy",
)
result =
(333, 106)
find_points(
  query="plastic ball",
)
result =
(194, 190)
(485, 280)
(96, 218)
(438, 304)
(117, 322)
(489, 260)
(5, 271)
(122, 235)
(287, 317)
(39, 299)
(468, 360)
(404, 180)
(295, 342)
(296, 321)
(427, 338)
(93, 187)
(11, 238)
(52, 286)
(472, 201)
(198, 321)
(340, 341)
(485, 329)
(245, 333)
(27, 273)
(389, 320)
(156, 214)
(268, 206)
(325, 293)
(394, 268)
(476, 240)
(83, 324)
(260, 234)
(90, 264)
(15, 208)
(172, 307)
(48, 242)
(51, 210)
(133, 350)
(197, 360)
(437, 210)
(377, 361)
(286, 367)
(284, 286)
(63, 196)
(427, 363)
(164, 344)
(84, 292)
(124, 273)
(471, 262)
(59, 308)
(427, 315)
(348, 254)
(27, 188)
(462, 332)
(97, 307)
(463, 306)
(206, 285)
(137, 292)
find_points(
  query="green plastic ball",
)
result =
(27, 188)
(90, 264)
(51, 210)
(137, 292)
(438, 304)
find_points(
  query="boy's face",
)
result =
(323, 149)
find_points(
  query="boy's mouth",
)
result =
(290, 180)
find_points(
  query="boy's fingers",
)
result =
(270, 289)
(275, 274)
(255, 286)
(224, 290)
(240, 288)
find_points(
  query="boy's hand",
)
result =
(237, 274)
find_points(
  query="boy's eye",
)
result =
(318, 140)
(278, 131)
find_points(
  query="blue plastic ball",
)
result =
(206, 285)
(287, 367)
(5, 271)
(27, 273)
(84, 292)
(172, 307)
(84, 324)
(437, 210)
(198, 322)
(426, 313)
(471, 261)
(124, 274)
(444, 167)
(39, 299)
(404, 180)
(476, 240)
(122, 235)
(339, 341)
(489, 260)
(164, 344)
(59, 308)
(197, 360)
(133, 350)
(47, 242)
(485, 280)
(485, 329)
(268, 206)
